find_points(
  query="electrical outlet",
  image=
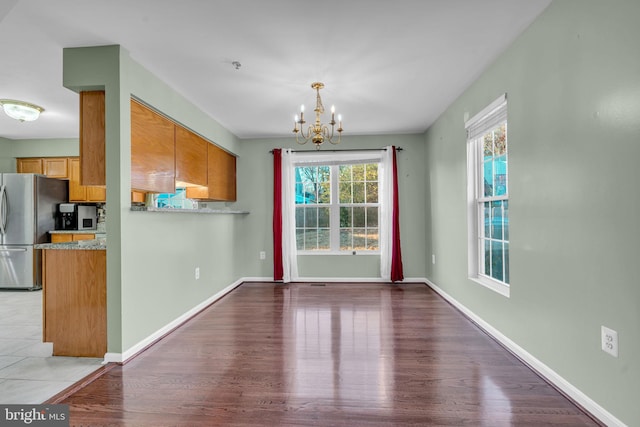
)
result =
(197, 273)
(433, 258)
(263, 255)
(609, 339)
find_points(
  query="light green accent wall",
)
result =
(67, 147)
(573, 85)
(151, 257)
(11, 149)
(7, 161)
(255, 189)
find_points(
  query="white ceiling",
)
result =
(388, 66)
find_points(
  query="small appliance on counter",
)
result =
(72, 216)
(67, 218)
(87, 217)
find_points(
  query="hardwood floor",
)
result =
(333, 355)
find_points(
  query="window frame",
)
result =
(487, 120)
(335, 205)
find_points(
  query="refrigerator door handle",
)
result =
(3, 209)
(12, 249)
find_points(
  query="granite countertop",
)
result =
(76, 232)
(90, 245)
(195, 211)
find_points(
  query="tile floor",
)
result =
(28, 372)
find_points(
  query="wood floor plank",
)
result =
(342, 354)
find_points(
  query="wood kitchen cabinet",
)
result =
(75, 302)
(221, 177)
(70, 237)
(29, 165)
(54, 167)
(165, 155)
(152, 150)
(191, 158)
(83, 193)
(92, 138)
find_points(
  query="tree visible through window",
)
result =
(337, 207)
(494, 204)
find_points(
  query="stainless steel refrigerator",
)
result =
(28, 204)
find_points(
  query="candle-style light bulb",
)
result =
(333, 109)
(302, 108)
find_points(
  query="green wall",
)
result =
(151, 257)
(255, 188)
(11, 149)
(573, 85)
(7, 161)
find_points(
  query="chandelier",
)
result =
(317, 132)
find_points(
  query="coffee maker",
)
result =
(67, 217)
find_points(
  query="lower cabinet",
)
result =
(75, 301)
(70, 237)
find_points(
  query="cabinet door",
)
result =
(83, 236)
(152, 151)
(29, 165)
(83, 193)
(96, 193)
(77, 192)
(92, 138)
(58, 238)
(222, 175)
(75, 301)
(56, 167)
(191, 158)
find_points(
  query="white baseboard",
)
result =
(132, 351)
(549, 374)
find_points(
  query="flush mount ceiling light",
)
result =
(317, 132)
(20, 110)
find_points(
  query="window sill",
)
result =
(494, 285)
(345, 253)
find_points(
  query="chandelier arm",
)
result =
(305, 138)
(329, 136)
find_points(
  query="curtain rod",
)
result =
(346, 149)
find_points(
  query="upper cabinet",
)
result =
(222, 175)
(83, 193)
(92, 138)
(191, 158)
(54, 167)
(29, 165)
(152, 150)
(165, 155)
(64, 168)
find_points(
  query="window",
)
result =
(337, 208)
(177, 200)
(488, 197)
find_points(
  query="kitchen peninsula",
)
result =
(74, 297)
